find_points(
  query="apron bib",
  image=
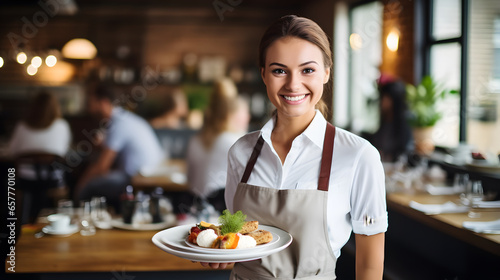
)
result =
(302, 213)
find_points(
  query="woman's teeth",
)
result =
(294, 98)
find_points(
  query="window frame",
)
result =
(424, 13)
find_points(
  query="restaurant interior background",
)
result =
(145, 48)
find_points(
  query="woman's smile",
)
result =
(294, 99)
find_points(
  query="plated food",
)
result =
(232, 233)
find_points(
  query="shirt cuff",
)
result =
(370, 225)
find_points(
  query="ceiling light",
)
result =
(79, 49)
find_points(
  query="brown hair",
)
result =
(223, 102)
(43, 110)
(302, 28)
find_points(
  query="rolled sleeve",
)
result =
(377, 225)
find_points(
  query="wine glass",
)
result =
(476, 195)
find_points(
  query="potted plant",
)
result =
(422, 100)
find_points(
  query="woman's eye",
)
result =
(308, 71)
(278, 71)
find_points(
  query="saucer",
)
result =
(65, 232)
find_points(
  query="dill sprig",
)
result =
(231, 223)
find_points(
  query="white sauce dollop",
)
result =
(246, 242)
(206, 238)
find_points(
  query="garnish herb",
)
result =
(231, 223)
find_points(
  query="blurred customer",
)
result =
(43, 130)
(174, 111)
(226, 120)
(393, 137)
(39, 141)
(129, 145)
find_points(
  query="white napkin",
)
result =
(488, 204)
(483, 227)
(433, 209)
(443, 190)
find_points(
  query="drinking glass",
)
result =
(476, 195)
(99, 212)
(65, 206)
(86, 226)
(461, 181)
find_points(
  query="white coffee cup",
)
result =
(59, 222)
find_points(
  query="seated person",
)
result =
(226, 120)
(43, 130)
(39, 140)
(129, 144)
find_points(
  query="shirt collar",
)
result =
(315, 132)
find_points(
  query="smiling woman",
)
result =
(289, 162)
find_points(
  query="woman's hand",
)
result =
(215, 265)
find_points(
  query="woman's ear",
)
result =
(327, 76)
(262, 69)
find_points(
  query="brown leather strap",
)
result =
(253, 159)
(326, 158)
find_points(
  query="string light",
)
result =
(50, 61)
(36, 61)
(31, 70)
(21, 58)
(1, 62)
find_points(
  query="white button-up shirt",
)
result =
(357, 184)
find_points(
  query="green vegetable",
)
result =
(231, 223)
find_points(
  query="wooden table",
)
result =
(107, 251)
(421, 246)
(451, 223)
(165, 180)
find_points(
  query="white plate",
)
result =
(66, 232)
(118, 223)
(172, 241)
(200, 249)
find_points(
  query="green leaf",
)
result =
(231, 223)
(422, 100)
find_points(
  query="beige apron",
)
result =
(302, 213)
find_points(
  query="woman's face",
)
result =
(294, 74)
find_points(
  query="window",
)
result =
(444, 50)
(483, 123)
(358, 53)
(463, 53)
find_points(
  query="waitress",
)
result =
(301, 174)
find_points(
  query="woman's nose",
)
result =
(293, 83)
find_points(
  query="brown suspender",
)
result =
(326, 158)
(253, 159)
